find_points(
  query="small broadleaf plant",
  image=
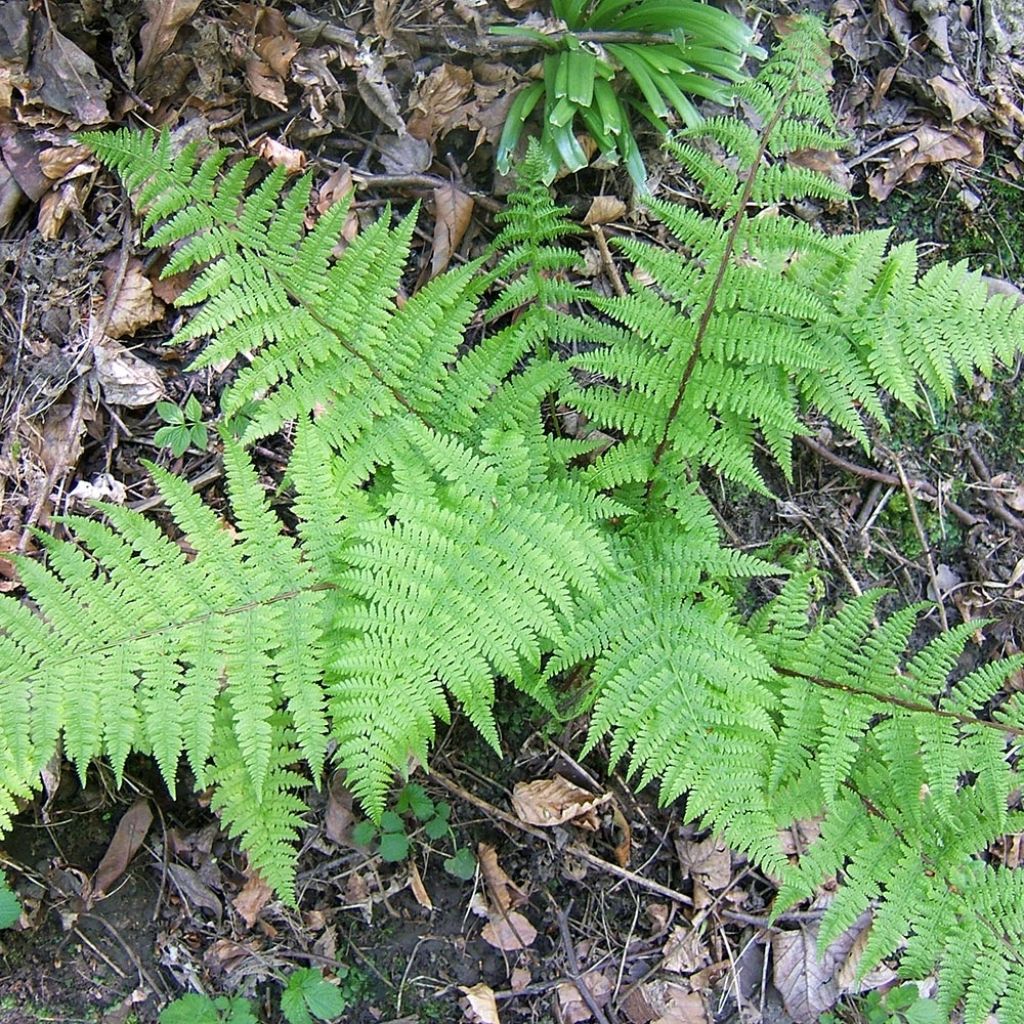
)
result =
(615, 59)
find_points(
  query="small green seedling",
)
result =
(185, 428)
(199, 1009)
(394, 840)
(903, 1005)
(309, 995)
(10, 905)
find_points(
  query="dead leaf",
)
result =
(65, 161)
(418, 888)
(453, 212)
(926, 146)
(605, 210)
(480, 1005)
(10, 196)
(520, 978)
(376, 92)
(384, 18)
(624, 847)
(957, 98)
(277, 154)
(571, 1004)
(710, 861)
(104, 487)
(685, 1008)
(135, 306)
(192, 887)
(824, 161)
(255, 895)
(64, 76)
(128, 837)
(163, 20)
(55, 207)
(404, 154)
(508, 931)
(123, 377)
(262, 82)
(436, 99)
(278, 52)
(685, 951)
(550, 802)
(504, 892)
(339, 818)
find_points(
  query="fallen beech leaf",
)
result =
(124, 378)
(508, 931)
(624, 847)
(55, 207)
(192, 887)
(685, 1008)
(453, 212)
(278, 52)
(685, 951)
(710, 861)
(68, 79)
(418, 888)
(955, 96)
(128, 837)
(264, 83)
(404, 154)
(277, 154)
(62, 161)
(255, 895)
(605, 210)
(571, 1004)
(157, 35)
(339, 818)
(550, 802)
(504, 892)
(435, 101)
(480, 1005)
(375, 92)
(135, 306)
(519, 979)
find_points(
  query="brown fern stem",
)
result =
(723, 266)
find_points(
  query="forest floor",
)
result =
(402, 101)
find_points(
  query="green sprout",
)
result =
(617, 57)
(184, 428)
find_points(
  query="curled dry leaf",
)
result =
(480, 1006)
(503, 891)
(436, 99)
(685, 951)
(453, 212)
(709, 861)
(508, 931)
(550, 802)
(134, 306)
(128, 837)
(419, 890)
(124, 378)
(605, 210)
(375, 91)
(572, 1007)
(55, 207)
(277, 154)
(163, 20)
(928, 145)
(255, 895)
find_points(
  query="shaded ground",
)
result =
(330, 87)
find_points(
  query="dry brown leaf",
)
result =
(255, 895)
(519, 979)
(55, 207)
(134, 304)
(957, 98)
(124, 378)
(503, 891)
(10, 196)
(808, 985)
(435, 101)
(163, 20)
(685, 951)
(453, 212)
(404, 154)
(65, 161)
(480, 1006)
(277, 154)
(824, 161)
(685, 1008)
(376, 92)
(710, 861)
(550, 802)
(278, 52)
(572, 1006)
(624, 847)
(384, 13)
(508, 931)
(605, 210)
(264, 83)
(928, 145)
(339, 818)
(128, 837)
(9, 579)
(419, 890)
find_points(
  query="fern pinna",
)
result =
(447, 534)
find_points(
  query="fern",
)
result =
(446, 534)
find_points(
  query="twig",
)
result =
(925, 546)
(891, 479)
(607, 262)
(575, 974)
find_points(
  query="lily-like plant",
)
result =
(615, 57)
